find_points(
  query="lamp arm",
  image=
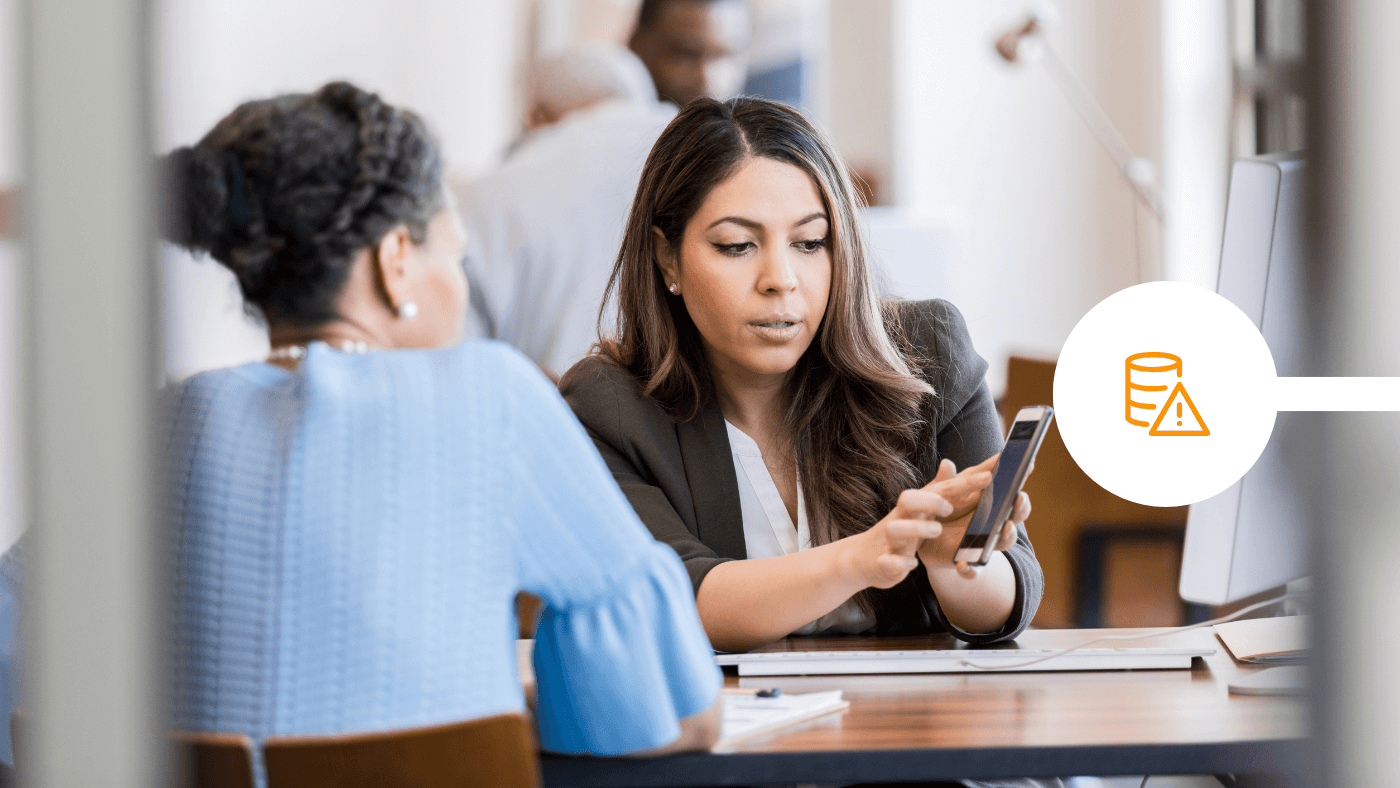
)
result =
(1097, 120)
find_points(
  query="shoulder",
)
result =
(609, 401)
(486, 357)
(940, 346)
(619, 124)
(230, 384)
(496, 373)
(933, 326)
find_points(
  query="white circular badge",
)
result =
(1164, 393)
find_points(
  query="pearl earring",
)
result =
(408, 310)
(675, 289)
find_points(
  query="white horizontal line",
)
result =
(1336, 394)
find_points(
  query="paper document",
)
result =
(746, 715)
(1277, 640)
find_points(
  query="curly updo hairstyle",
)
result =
(285, 191)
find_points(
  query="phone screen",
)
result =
(1018, 444)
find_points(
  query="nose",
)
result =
(778, 274)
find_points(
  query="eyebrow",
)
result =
(752, 225)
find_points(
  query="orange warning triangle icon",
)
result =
(1179, 416)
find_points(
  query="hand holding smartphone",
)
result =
(999, 498)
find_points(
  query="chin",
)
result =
(772, 362)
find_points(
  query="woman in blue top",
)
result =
(353, 519)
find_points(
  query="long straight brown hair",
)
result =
(854, 407)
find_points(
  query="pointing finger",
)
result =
(913, 530)
(916, 504)
(987, 465)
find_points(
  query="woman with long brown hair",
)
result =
(794, 437)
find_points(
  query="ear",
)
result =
(666, 258)
(391, 261)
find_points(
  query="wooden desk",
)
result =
(946, 726)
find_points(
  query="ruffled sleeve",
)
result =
(620, 655)
(617, 675)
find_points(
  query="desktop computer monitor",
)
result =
(1253, 536)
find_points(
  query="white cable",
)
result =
(1151, 633)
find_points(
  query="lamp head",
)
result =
(1041, 16)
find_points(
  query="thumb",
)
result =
(968, 571)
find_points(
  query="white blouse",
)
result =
(769, 532)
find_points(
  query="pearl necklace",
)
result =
(298, 352)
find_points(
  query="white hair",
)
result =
(579, 78)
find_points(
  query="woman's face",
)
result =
(754, 269)
(440, 286)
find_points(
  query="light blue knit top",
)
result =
(350, 538)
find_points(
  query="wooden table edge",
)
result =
(1269, 756)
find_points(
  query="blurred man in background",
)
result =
(693, 48)
(543, 230)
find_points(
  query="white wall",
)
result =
(12, 476)
(9, 92)
(861, 83)
(453, 61)
(12, 513)
(1048, 221)
(1196, 96)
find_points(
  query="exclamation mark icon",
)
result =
(1179, 404)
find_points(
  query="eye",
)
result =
(811, 247)
(734, 250)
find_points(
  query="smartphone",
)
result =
(999, 498)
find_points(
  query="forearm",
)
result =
(978, 604)
(745, 604)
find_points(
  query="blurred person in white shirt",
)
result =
(544, 229)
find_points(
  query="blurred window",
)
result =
(1267, 43)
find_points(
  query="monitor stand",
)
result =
(1284, 680)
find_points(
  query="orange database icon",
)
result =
(1146, 377)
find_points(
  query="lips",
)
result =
(777, 328)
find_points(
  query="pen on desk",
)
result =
(772, 692)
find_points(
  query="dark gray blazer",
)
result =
(680, 476)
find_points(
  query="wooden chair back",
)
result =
(215, 760)
(1065, 500)
(497, 751)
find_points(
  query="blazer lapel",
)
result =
(709, 470)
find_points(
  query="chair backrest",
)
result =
(497, 751)
(215, 760)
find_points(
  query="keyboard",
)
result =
(799, 663)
